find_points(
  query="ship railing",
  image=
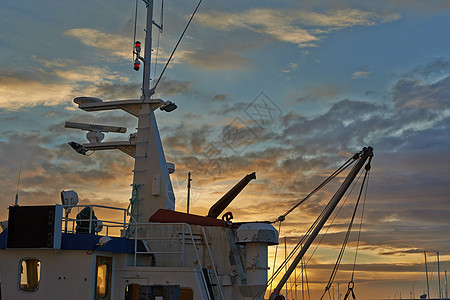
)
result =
(114, 224)
(165, 239)
(176, 234)
(216, 277)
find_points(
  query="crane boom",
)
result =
(365, 154)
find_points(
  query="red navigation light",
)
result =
(136, 65)
(138, 46)
(279, 297)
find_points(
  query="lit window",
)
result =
(30, 274)
(103, 277)
(132, 292)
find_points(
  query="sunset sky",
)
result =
(287, 89)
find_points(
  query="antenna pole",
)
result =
(285, 255)
(303, 276)
(446, 285)
(146, 93)
(188, 191)
(16, 202)
(151, 179)
(295, 283)
(439, 276)
(426, 272)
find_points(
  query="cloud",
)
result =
(215, 56)
(220, 97)
(290, 67)
(341, 126)
(59, 62)
(360, 75)
(223, 58)
(115, 91)
(375, 267)
(110, 44)
(55, 82)
(436, 67)
(172, 87)
(343, 18)
(418, 6)
(303, 28)
(17, 91)
(416, 105)
(260, 21)
(50, 88)
(89, 74)
(322, 92)
(118, 46)
(411, 92)
(402, 251)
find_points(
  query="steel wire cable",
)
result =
(344, 244)
(176, 46)
(325, 182)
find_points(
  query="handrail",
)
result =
(95, 205)
(185, 227)
(198, 258)
(106, 223)
(185, 230)
(212, 263)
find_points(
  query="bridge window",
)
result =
(29, 274)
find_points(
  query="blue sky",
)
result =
(337, 76)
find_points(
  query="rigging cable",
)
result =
(311, 228)
(176, 46)
(360, 225)
(307, 282)
(326, 181)
(331, 223)
(282, 217)
(275, 258)
(351, 284)
(160, 27)
(328, 227)
(344, 244)
(280, 268)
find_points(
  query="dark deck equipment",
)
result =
(220, 205)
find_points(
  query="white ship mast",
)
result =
(152, 188)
